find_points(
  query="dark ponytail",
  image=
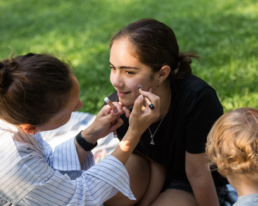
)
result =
(184, 64)
(33, 88)
(155, 45)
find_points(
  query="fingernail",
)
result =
(116, 111)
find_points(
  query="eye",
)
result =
(129, 72)
(112, 68)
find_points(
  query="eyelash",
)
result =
(128, 72)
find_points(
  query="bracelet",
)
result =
(83, 143)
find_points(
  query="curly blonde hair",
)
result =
(232, 144)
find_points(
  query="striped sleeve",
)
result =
(27, 179)
(93, 188)
(66, 158)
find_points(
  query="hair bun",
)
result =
(5, 78)
(184, 58)
(184, 64)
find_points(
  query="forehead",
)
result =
(122, 51)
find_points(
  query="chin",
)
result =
(126, 102)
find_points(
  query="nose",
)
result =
(116, 79)
(79, 106)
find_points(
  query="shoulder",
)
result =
(250, 200)
(192, 83)
(193, 90)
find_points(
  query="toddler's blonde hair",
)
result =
(232, 145)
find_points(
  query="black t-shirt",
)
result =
(194, 109)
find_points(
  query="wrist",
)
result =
(88, 135)
(87, 146)
(133, 133)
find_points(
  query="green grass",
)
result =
(224, 33)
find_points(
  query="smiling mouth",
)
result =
(122, 94)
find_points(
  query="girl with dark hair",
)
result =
(38, 93)
(146, 52)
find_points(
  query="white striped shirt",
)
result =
(31, 174)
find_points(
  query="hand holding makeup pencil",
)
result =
(114, 108)
(142, 117)
(139, 120)
(101, 126)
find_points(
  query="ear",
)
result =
(163, 73)
(30, 129)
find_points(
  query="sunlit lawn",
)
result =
(224, 33)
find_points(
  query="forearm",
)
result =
(89, 137)
(204, 190)
(126, 146)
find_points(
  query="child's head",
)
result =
(34, 89)
(148, 49)
(232, 143)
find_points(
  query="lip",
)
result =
(122, 94)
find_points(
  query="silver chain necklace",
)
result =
(152, 135)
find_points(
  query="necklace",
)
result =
(152, 135)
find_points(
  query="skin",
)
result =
(62, 117)
(139, 120)
(243, 184)
(126, 73)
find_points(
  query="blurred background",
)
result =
(224, 33)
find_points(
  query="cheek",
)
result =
(132, 85)
(111, 78)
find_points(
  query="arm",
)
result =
(98, 129)
(94, 187)
(139, 121)
(200, 179)
(27, 179)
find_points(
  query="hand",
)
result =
(140, 119)
(102, 125)
(122, 109)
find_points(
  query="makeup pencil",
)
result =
(115, 111)
(139, 87)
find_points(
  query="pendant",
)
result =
(152, 142)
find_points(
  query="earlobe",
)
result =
(30, 129)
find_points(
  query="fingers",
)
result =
(105, 111)
(155, 100)
(126, 111)
(107, 114)
(119, 107)
(117, 124)
(137, 109)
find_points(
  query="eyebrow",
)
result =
(124, 67)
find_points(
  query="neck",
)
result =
(243, 184)
(164, 93)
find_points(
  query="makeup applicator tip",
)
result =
(106, 99)
(139, 87)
